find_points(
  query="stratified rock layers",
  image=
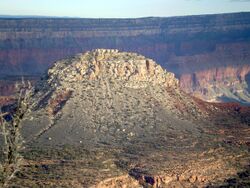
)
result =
(184, 45)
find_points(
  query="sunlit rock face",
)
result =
(219, 84)
(183, 45)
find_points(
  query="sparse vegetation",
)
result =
(121, 126)
(11, 158)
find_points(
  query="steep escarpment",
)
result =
(183, 45)
(229, 83)
(107, 118)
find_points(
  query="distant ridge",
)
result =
(32, 16)
(145, 17)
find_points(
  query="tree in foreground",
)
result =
(11, 139)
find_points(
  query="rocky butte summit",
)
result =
(115, 119)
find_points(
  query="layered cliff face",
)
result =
(223, 76)
(219, 84)
(183, 45)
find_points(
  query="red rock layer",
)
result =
(207, 84)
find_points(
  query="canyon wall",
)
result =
(210, 54)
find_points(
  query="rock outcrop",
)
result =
(183, 45)
(132, 69)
